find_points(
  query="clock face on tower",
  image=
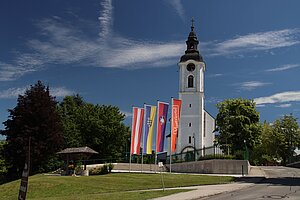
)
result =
(190, 67)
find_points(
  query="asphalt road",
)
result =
(281, 183)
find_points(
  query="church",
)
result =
(196, 126)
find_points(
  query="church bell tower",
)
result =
(191, 92)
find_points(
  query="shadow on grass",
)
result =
(284, 181)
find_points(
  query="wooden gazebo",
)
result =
(79, 153)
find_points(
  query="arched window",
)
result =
(190, 81)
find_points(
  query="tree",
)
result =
(238, 124)
(286, 137)
(3, 166)
(100, 127)
(35, 117)
(69, 110)
(278, 141)
(264, 153)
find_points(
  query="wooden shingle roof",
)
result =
(78, 150)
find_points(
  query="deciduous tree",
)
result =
(286, 137)
(100, 127)
(238, 124)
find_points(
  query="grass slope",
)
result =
(111, 186)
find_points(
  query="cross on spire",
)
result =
(192, 27)
(192, 42)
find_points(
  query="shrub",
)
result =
(239, 154)
(105, 169)
(110, 167)
(78, 169)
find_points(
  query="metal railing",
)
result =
(213, 152)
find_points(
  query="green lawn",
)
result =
(111, 186)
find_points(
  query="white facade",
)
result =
(196, 125)
(210, 126)
(192, 109)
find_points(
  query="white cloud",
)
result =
(251, 85)
(127, 114)
(214, 100)
(283, 97)
(9, 72)
(286, 105)
(215, 75)
(62, 43)
(255, 42)
(260, 105)
(140, 55)
(106, 18)
(178, 7)
(12, 93)
(122, 52)
(60, 92)
(283, 67)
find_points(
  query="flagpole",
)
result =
(131, 139)
(143, 137)
(157, 121)
(171, 147)
(171, 153)
(130, 162)
(171, 136)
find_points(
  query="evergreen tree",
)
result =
(35, 118)
(3, 165)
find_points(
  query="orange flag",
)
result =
(176, 107)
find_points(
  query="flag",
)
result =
(136, 130)
(149, 118)
(162, 112)
(176, 107)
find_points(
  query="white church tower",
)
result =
(196, 125)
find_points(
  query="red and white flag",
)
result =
(176, 107)
(136, 130)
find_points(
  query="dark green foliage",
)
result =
(104, 169)
(35, 117)
(217, 156)
(278, 142)
(238, 125)
(264, 152)
(110, 167)
(69, 110)
(99, 127)
(3, 165)
(287, 137)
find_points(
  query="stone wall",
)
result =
(212, 167)
(216, 166)
(133, 167)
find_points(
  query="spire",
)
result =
(192, 27)
(192, 46)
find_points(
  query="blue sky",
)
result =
(126, 52)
